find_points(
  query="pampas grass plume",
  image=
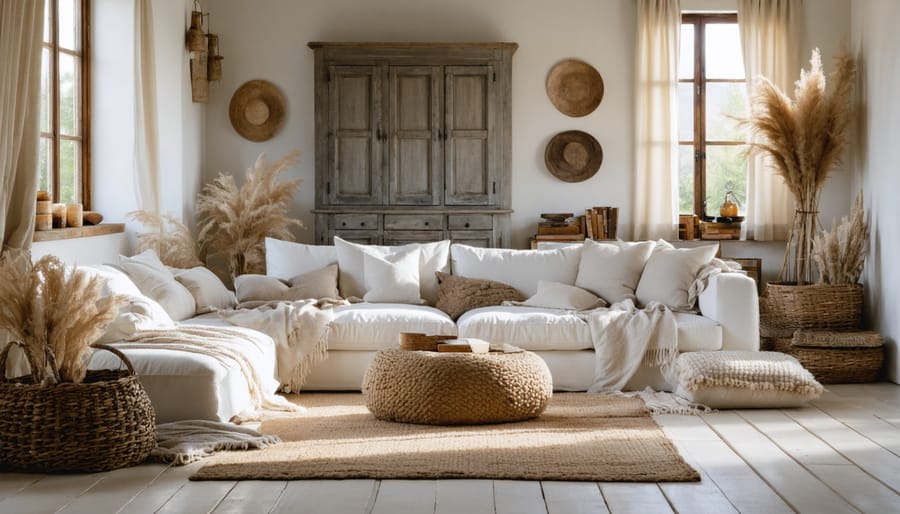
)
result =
(168, 237)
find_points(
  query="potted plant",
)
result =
(64, 417)
(804, 138)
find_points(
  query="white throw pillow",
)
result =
(152, 277)
(392, 278)
(519, 268)
(139, 313)
(612, 269)
(555, 295)
(209, 293)
(433, 258)
(286, 259)
(669, 273)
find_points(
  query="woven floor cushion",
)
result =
(736, 379)
(438, 388)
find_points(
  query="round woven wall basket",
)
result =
(836, 365)
(104, 423)
(785, 308)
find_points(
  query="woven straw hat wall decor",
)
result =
(257, 110)
(573, 156)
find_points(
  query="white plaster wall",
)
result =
(877, 43)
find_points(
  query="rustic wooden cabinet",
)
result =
(412, 138)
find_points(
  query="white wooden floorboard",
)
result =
(158, 492)
(50, 494)
(878, 430)
(743, 489)
(573, 498)
(338, 496)
(469, 496)
(12, 483)
(794, 483)
(871, 458)
(859, 488)
(115, 490)
(631, 498)
(198, 497)
(406, 497)
(518, 497)
(252, 497)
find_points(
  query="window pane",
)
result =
(725, 164)
(685, 111)
(44, 165)
(686, 52)
(686, 179)
(69, 21)
(69, 171)
(47, 21)
(69, 95)
(725, 102)
(46, 100)
(723, 52)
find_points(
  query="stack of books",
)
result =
(560, 227)
(720, 231)
(601, 222)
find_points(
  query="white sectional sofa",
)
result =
(183, 385)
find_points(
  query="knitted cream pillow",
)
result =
(457, 294)
(739, 380)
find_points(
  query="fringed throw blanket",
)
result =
(223, 344)
(625, 337)
(299, 328)
(183, 442)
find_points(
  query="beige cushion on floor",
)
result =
(733, 380)
(437, 388)
(373, 326)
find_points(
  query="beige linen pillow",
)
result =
(321, 283)
(612, 269)
(670, 272)
(209, 293)
(152, 277)
(556, 295)
(457, 294)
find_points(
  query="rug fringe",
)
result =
(662, 402)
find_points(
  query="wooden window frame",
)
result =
(699, 81)
(84, 121)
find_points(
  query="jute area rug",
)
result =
(579, 437)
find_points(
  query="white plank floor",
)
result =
(840, 454)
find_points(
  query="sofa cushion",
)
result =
(433, 257)
(548, 329)
(393, 277)
(456, 294)
(209, 293)
(612, 269)
(155, 280)
(519, 268)
(556, 295)
(669, 273)
(320, 283)
(286, 259)
(373, 326)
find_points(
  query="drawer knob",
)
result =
(426, 223)
(467, 224)
(362, 223)
(344, 224)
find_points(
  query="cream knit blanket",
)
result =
(760, 371)
(299, 328)
(625, 337)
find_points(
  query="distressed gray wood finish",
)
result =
(409, 132)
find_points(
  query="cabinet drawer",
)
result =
(479, 238)
(363, 237)
(413, 221)
(355, 221)
(401, 237)
(470, 222)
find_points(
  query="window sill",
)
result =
(58, 234)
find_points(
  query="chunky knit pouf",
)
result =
(437, 388)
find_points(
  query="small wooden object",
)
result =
(59, 215)
(74, 215)
(416, 341)
(43, 196)
(92, 218)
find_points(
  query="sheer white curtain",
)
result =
(770, 39)
(146, 137)
(656, 123)
(21, 34)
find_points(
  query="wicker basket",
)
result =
(784, 308)
(836, 365)
(104, 423)
(416, 341)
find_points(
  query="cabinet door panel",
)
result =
(472, 139)
(356, 168)
(415, 149)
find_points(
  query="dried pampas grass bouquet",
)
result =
(841, 252)
(168, 237)
(55, 314)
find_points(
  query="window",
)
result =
(63, 164)
(711, 94)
